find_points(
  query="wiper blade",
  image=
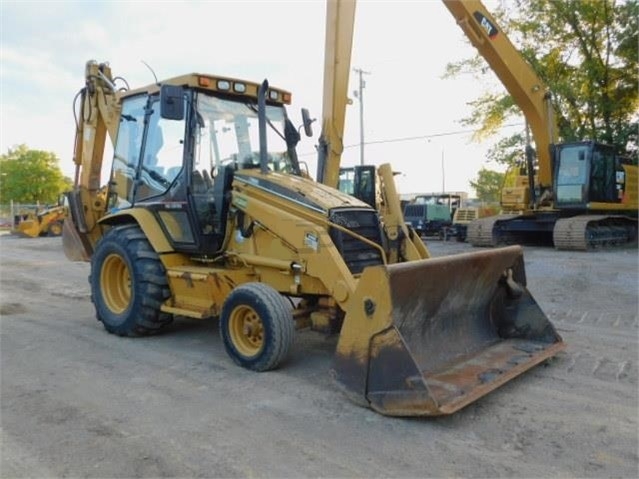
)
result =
(253, 108)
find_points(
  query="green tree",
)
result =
(587, 53)
(488, 185)
(31, 176)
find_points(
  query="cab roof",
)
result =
(218, 84)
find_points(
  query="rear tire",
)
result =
(128, 283)
(257, 326)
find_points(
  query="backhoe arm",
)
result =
(340, 19)
(98, 115)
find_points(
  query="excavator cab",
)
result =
(587, 172)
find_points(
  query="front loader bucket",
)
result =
(428, 337)
(30, 228)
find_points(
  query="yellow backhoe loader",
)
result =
(43, 222)
(207, 214)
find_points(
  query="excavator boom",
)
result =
(517, 76)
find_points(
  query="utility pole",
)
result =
(443, 169)
(359, 94)
(443, 173)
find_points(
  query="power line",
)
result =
(413, 138)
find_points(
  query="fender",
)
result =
(147, 222)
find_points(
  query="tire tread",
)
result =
(283, 328)
(149, 277)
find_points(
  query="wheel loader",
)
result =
(209, 213)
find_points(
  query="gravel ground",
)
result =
(78, 402)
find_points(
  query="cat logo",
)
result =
(487, 25)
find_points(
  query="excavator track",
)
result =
(585, 232)
(484, 232)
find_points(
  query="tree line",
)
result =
(31, 176)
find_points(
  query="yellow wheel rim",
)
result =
(55, 229)
(246, 331)
(115, 281)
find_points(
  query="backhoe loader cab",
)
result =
(360, 182)
(178, 148)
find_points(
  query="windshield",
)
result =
(572, 173)
(228, 132)
(437, 200)
(347, 181)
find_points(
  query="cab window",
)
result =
(127, 151)
(163, 155)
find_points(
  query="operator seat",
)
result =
(222, 197)
(208, 181)
(198, 183)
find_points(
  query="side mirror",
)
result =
(172, 102)
(307, 122)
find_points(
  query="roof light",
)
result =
(203, 81)
(239, 87)
(272, 94)
(224, 85)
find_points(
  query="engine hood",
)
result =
(299, 190)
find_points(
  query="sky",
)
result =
(411, 114)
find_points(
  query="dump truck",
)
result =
(208, 214)
(431, 214)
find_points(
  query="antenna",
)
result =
(154, 76)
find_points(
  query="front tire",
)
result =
(257, 326)
(55, 229)
(128, 283)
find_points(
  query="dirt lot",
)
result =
(78, 402)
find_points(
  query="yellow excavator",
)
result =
(578, 195)
(207, 213)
